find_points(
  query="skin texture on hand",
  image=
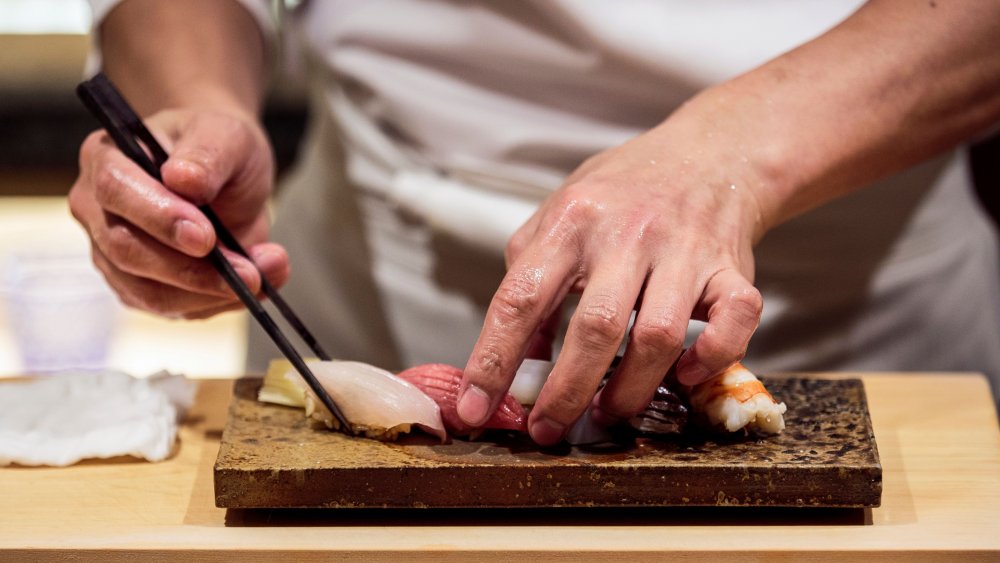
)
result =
(195, 71)
(665, 224)
(654, 225)
(148, 239)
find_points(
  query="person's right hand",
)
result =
(149, 239)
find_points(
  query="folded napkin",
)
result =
(63, 418)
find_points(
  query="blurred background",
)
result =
(43, 48)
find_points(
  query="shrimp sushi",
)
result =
(734, 400)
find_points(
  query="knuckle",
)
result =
(746, 306)
(659, 333)
(492, 364)
(122, 247)
(75, 198)
(519, 295)
(574, 211)
(601, 322)
(89, 145)
(107, 185)
(577, 205)
(490, 360)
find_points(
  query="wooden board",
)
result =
(272, 457)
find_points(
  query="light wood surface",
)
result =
(937, 436)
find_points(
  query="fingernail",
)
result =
(194, 172)
(191, 237)
(546, 432)
(473, 406)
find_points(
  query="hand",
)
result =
(149, 239)
(664, 225)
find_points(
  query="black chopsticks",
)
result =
(121, 122)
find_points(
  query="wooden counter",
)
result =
(937, 435)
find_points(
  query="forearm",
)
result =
(896, 83)
(184, 53)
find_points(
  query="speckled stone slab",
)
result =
(272, 457)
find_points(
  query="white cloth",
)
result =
(64, 418)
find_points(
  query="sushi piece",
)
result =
(732, 401)
(378, 404)
(736, 400)
(441, 382)
(667, 414)
(528, 381)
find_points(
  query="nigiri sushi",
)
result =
(441, 383)
(735, 400)
(377, 403)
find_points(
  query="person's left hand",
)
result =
(663, 224)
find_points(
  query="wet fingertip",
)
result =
(546, 432)
(473, 406)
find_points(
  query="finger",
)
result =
(734, 308)
(156, 297)
(530, 292)
(134, 252)
(213, 149)
(124, 189)
(594, 336)
(655, 341)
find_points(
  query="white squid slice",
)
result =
(376, 403)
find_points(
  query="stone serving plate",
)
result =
(272, 457)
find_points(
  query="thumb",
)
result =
(211, 150)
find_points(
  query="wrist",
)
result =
(719, 136)
(185, 53)
(212, 98)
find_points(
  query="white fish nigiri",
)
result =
(377, 403)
